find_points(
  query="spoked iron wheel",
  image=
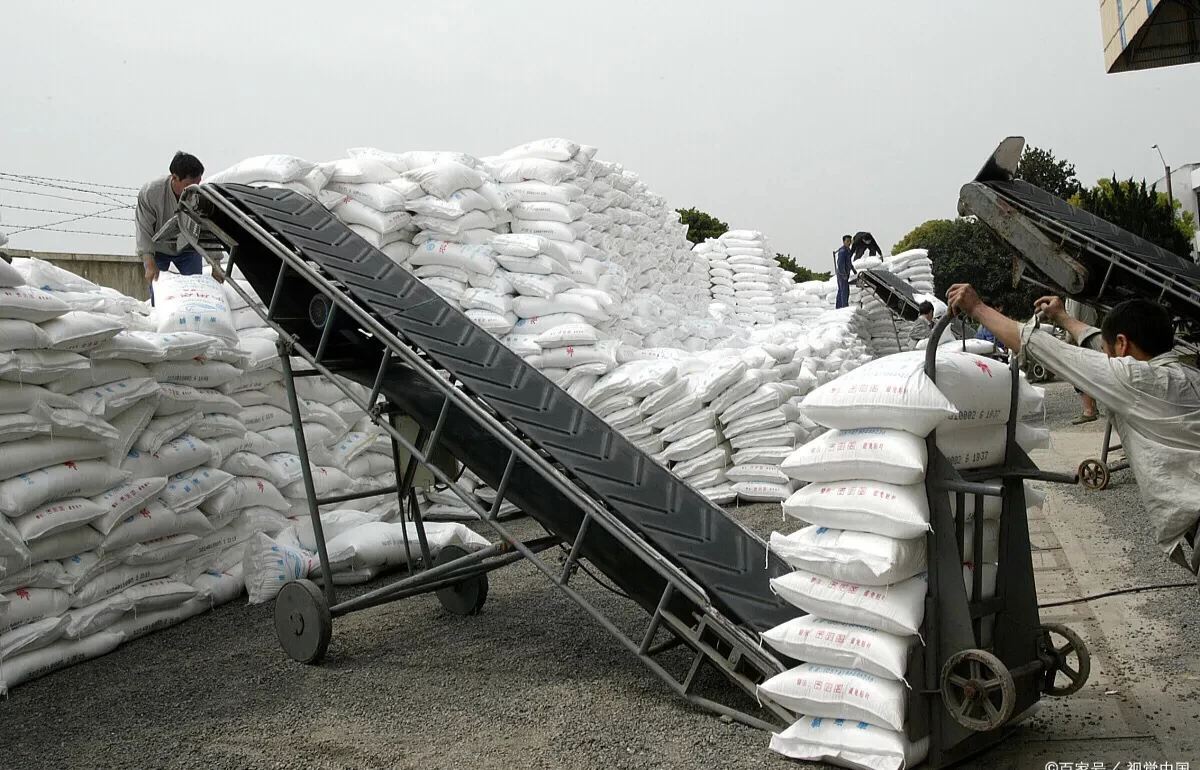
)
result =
(1093, 474)
(1068, 662)
(978, 690)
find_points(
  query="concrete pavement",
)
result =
(1136, 711)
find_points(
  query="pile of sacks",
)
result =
(148, 462)
(886, 333)
(806, 301)
(860, 562)
(744, 276)
(914, 267)
(103, 536)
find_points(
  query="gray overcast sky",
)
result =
(798, 118)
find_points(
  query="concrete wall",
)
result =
(117, 271)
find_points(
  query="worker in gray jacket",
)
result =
(1130, 367)
(156, 204)
(924, 323)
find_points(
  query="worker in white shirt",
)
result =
(1153, 399)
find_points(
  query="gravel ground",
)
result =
(1125, 521)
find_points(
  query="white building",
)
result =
(1185, 186)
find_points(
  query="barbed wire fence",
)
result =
(31, 204)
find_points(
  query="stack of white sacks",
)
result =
(860, 561)
(914, 267)
(806, 301)
(101, 507)
(347, 454)
(744, 276)
(142, 455)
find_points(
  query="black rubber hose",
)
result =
(1139, 589)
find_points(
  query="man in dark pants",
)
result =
(844, 265)
(156, 204)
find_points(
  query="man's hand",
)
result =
(1052, 308)
(218, 274)
(151, 271)
(963, 298)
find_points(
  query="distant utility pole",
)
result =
(1167, 169)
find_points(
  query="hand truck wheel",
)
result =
(978, 690)
(1037, 372)
(1057, 659)
(302, 621)
(466, 597)
(1093, 474)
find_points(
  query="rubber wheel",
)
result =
(1093, 474)
(466, 597)
(1068, 657)
(978, 690)
(318, 310)
(302, 621)
(1037, 373)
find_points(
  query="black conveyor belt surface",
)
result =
(727, 561)
(1053, 207)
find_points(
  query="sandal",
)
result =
(1083, 419)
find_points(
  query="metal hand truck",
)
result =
(987, 660)
(1096, 473)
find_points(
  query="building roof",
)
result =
(1144, 34)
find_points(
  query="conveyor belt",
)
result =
(1066, 249)
(891, 291)
(729, 562)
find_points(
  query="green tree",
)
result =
(802, 273)
(965, 251)
(1041, 169)
(701, 225)
(1142, 211)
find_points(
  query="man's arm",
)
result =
(1053, 309)
(1005, 330)
(1089, 370)
(144, 234)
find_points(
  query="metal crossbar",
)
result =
(708, 633)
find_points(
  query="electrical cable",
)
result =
(1138, 589)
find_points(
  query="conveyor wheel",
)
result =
(466, 597)
(978, 690)
(302, 621)
(318, 310)
(1069, 657)
(1093, 474)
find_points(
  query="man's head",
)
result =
(847, 240)
(186, 169)
(1138, 328)
(926, 309)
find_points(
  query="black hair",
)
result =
(186, 166)
(926, 307)
(1144, 323)
(847, 237)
